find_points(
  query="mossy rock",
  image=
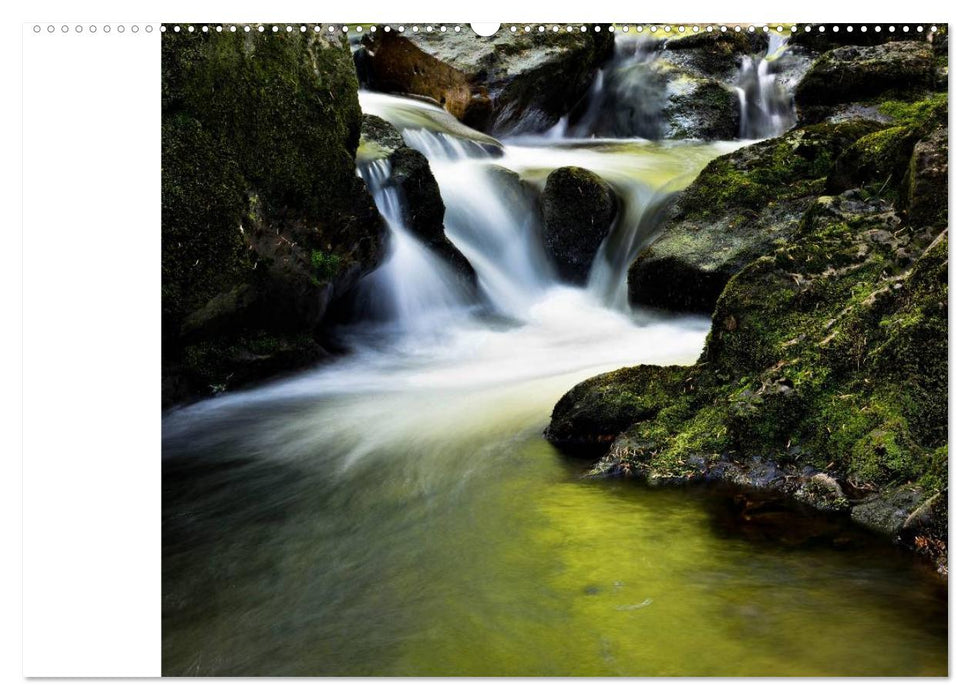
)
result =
(264, 221)
(824, 376)
(857, 73)
(588, 418)
(715, 54)
(707, 110)
(739, 208)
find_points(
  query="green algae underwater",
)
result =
(333, 525)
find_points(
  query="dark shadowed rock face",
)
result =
(505, 83)
(852, 74)
(264, 221)
(578, 210)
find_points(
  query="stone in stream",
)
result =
(578, 211)
(508, 82)
(424, 210)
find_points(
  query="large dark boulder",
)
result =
(578, 210)
(264, 222)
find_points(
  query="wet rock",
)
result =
(822, 492)
(505, 83)
(888, 512)
(424, 210)
(578, 211)
(855, 73)
(588, 417)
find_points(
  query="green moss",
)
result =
(324, 265)
(910, 113)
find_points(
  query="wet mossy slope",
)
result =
(264, 221)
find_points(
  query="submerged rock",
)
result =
(578, 211)
(264, 221)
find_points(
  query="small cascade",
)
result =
(766, 107)
(496, 230)
(413, 289)
(628, 95)
(643, 214)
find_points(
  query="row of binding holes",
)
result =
(514, 29)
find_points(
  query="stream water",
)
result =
(397, 512)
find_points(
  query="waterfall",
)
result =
(413, 289)
(766, 107)
(491, 192)
(627, 97)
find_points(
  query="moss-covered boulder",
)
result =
(591, 415)
(852, 74)
(264, 221)
(578, 211)
(508, 82)
(739, 207)
(824, 376)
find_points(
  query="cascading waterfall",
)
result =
(766, 107)
(499, 231)
(414, 288)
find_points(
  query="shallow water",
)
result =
(399, 513)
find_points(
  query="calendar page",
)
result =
(524, 349)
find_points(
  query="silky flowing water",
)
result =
(398, 512)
